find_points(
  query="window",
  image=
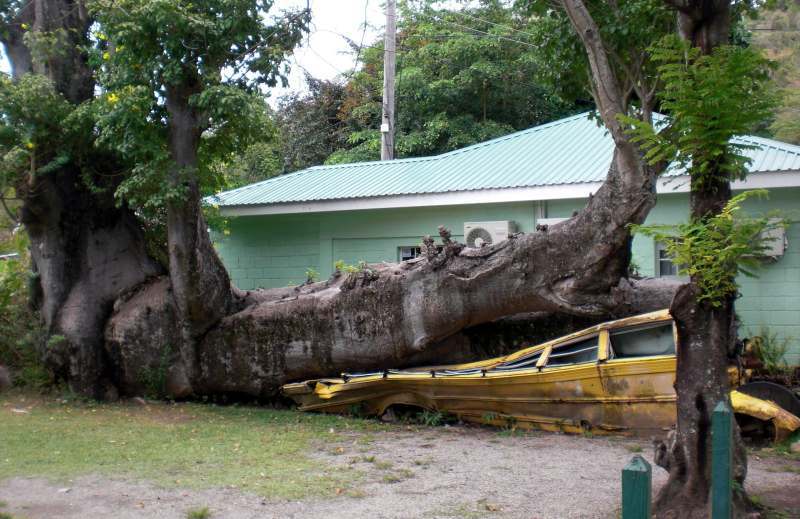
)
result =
(407, 253)
(664, 263)
(526, 362)
(575, 353)
(643, 341)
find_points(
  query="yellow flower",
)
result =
(24, 26)
(30, 145)
(113, 98)
(106, 55)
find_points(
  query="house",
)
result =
(303, 222)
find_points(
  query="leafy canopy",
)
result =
(709, 99)
(209, 56)
(464, 75)
(40, 131)
(628, 29)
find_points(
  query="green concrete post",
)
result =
(636, 485)
(721, 461)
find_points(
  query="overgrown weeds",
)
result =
(771, 351)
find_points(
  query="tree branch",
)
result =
(609, 95)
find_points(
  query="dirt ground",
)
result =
(440, 472)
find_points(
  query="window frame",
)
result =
(659, 247)
(601, 344)
(610, 345)
(414, 247)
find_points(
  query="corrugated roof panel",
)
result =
(568, 151)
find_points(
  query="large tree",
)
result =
(712, 92)
(86, 249)
(177, 80)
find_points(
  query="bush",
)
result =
(21, 333)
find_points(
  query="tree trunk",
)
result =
(388, 315)
(86, 254)
(200, 284)
(707, 338)
(706, 334)
(86, 251)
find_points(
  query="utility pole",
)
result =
(389, 66)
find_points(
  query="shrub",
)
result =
(21, 333)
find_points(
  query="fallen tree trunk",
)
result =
(192, 334)
(390, 315)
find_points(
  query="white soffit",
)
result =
(666, 185)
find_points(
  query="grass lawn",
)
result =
(257, 450)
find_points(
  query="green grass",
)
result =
(397, 476)
(175, 445)
(199, 513)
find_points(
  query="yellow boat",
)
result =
(614, 377)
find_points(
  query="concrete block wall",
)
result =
(274, 251)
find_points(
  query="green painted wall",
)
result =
(273, 251)
(270, 251)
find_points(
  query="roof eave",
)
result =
(666, 185)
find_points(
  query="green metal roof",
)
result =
(568, 151)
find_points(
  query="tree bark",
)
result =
(707, 334)
(201, 287)
(86, 251)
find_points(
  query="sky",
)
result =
(325, 52)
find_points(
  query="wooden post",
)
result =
(721, 461)
(636, 487)
(389, 65)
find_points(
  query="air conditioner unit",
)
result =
(481, 234)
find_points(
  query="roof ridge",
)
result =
(477, 145)
(516, 134)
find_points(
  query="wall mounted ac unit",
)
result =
(481, 234)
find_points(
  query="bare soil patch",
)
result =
(409, 472)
